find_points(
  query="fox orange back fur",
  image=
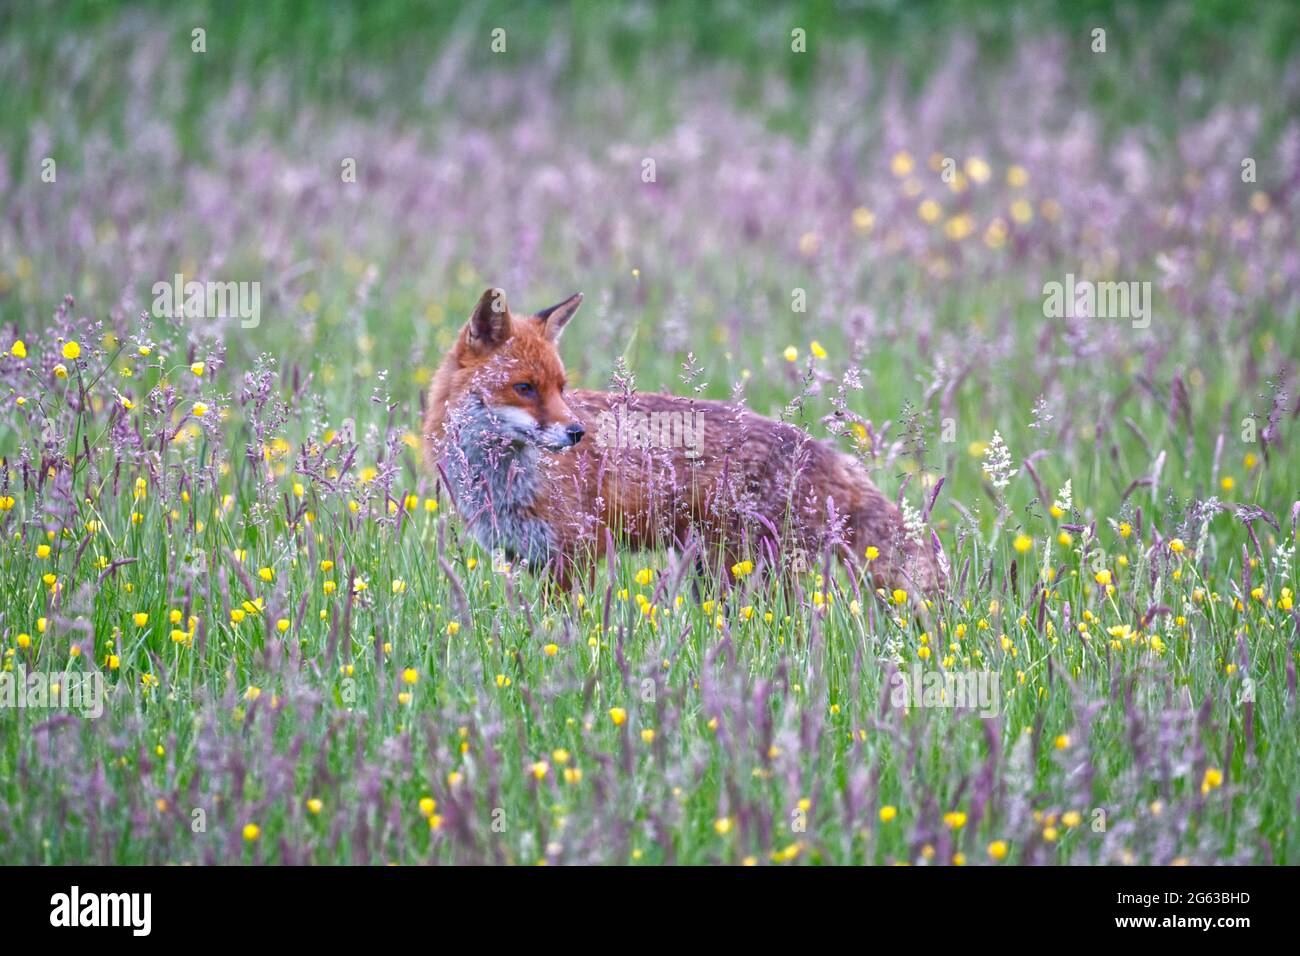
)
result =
(551, 475)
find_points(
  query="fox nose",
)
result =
(575, 433)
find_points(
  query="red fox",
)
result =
(550, 476)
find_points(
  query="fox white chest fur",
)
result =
(495, 479)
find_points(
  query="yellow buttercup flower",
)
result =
(1213, 778)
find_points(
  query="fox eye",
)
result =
(525, 389)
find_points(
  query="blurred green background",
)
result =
(371, 57)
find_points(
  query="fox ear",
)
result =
(557, 316)
(489, 326)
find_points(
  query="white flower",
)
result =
(912, 522)
(997, 462)
(1065, 497)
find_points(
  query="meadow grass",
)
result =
(310, 661)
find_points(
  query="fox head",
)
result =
(511, 364)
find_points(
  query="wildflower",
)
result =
(816, 348)
(1022, 543)
(1062, 741)
(19, 349)
(618, 715)
(648, 735)
(266, 574)
(427, 806)
(998, 849)
(959, 227)
(410, 676)
(453, 628)
(900, 596)
(791, 354)
(1176, 546)
(997, 463)
(399, 586)
(1125, 529)
(722, 826)
(71, 351)
(197, 368)
(1102, 577)
(954, 820)
(251, 832)
(901, 164)
(550, 650)
(314, 806)
(200, 409)
(540, 769)
(1213, 778)
(888, 813)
